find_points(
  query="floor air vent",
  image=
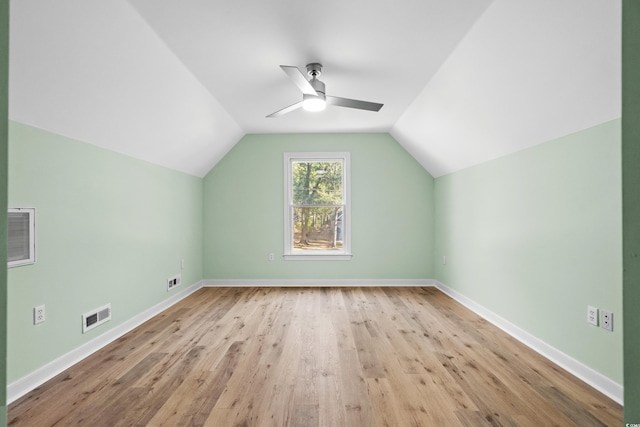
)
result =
(96, 317)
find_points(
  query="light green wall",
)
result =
(631, 204)
(392, 211)
(535, 237)
(109, 229)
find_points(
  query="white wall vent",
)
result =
(174, 281)
(96, 317)
(21, 236)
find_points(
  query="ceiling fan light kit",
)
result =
(314, 97)
(314, 103)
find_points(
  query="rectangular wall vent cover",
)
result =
(21, 237)
(174, 281)
(96, 318)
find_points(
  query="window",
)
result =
(317, 211)
(21, 239)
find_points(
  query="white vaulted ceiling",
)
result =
(178, 83)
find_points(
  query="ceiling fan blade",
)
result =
(353, 103)
(299, 79)
(285, 110)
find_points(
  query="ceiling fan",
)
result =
(313, 93)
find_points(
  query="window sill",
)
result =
(318, 257)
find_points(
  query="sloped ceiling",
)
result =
(526, 73)
(178, 83)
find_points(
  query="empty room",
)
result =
(339, 213)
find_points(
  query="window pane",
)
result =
(317, 183)
(317, 228)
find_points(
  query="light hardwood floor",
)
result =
(315, 357)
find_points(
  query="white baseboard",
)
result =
(218, 283)
(598, 381)
(595, 379)
(38, 377)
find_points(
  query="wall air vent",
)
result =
(174, 281)
(21, 236)
(96, 317)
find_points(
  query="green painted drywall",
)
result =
(109, 229)
(392, 211)
(4, 107)
(535, 237)
(631, 205)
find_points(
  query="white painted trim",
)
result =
(316, 282)
(36, 378)
(290, 157)
(590, 376)
(595, 379)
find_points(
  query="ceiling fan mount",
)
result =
(314, 69)
(314, 96)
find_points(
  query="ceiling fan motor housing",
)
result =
(318, 86)
(314, 70)
(314, 102)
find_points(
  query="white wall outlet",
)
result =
(181, 264)
(38, 314)
(444, 260)
(271, 257)
(606, 320)
(592, 315)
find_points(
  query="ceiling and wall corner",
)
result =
(95, 72)
(526, 73)
(179, 83)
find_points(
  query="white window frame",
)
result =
(31, 212)
(290, 253)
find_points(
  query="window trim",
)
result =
(290, 254)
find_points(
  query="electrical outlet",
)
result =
(606, 320)
(181, 264)
(271, 256)
(444, 260)
(38, 314)
(592, 315)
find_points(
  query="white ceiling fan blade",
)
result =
(353, 103)
(285, 110)
(299, 79)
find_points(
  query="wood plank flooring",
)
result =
(315, 357)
